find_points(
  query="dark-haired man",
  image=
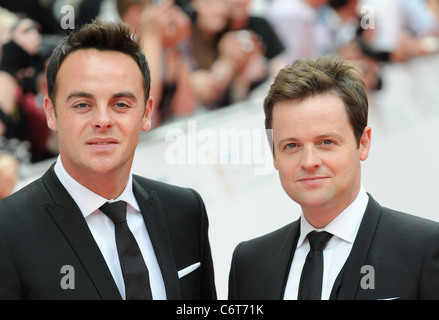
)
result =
(89, 228)
(345, 245)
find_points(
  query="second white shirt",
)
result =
(344, 228)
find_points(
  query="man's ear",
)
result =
(49, 110)
(365, 142)
(149, 108)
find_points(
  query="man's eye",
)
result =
(121, 106)
(327, 143)
(81, 106)
(291, 146)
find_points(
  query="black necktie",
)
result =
(310, 287)
(134, 270)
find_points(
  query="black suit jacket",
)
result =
(42, 230)
(402, 249)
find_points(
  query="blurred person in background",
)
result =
(8, 174)
(161, 27)
(24, 135)
(341, 21)
(297, 24)
(8, 164)
(434, 6)
(273, 58)
(219, 57)
(39, 11)
(7, 20)
(49, 13)
(368, 33)
(402, 29)
(22, 89)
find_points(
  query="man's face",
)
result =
(316, 153)
(100, 111)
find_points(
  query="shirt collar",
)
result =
(87, 200)
(345, 226)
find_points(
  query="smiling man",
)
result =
(345, 245)
(118, 235)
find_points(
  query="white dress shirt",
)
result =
(344, 228)
(102, 229)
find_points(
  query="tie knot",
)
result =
(116, 211)
(318, 240)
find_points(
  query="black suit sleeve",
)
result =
(429, 282)
(233, 291)
(9, 282)
(207, 288)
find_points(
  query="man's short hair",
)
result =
(327, 74)
(100, 35)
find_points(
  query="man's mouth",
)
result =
(102, 143)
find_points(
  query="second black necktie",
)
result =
(134, 270)
(310, 287)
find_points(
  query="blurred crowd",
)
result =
(203, 54)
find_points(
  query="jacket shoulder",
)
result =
(397, 222)
(270, 240)
(404, 222)
(259, 266)
(24, 199)
(266, 248)
(167, 192)
(175, 201)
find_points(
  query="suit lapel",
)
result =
(158, 232)
(283, 262)
(348, 280)
(72, 224)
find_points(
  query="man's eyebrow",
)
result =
(124, 94)
(79, 94)
(331, 135)
(83, 94)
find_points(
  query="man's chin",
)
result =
(313, 200)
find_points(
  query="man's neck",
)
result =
(108, 185)
(320, 217)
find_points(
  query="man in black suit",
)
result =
(317, 110)
(55, 240)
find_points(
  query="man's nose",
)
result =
(102, 118)
(310, 159)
